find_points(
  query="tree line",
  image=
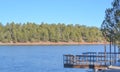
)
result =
(32, 32)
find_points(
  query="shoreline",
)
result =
(55, 43)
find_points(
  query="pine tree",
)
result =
(111, 24)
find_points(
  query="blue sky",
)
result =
(84, 12)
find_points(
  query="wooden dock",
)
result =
(90, 60)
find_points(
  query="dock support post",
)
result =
(110, 49)
(115, 57)
(95, 70)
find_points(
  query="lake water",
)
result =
(41, 58)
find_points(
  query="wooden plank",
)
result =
(114, 67)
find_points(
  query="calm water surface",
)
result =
(41, 58)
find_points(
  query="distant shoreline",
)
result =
(53, 43)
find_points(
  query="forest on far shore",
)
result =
(44, 32)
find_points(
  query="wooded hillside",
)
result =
(31, 32)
